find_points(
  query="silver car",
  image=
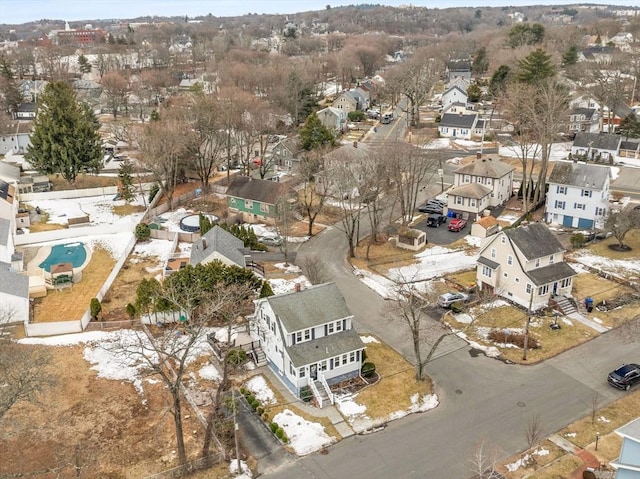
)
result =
(270, 240)
(447, 299)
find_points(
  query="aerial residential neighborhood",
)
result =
(357, 241)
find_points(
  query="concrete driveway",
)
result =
(441, 235)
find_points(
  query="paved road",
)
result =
(481, 398)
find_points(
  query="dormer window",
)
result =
(551, 259)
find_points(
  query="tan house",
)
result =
(524, 265)
(485, 182)
(346, 102)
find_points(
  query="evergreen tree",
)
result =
(314, 134)
(125, 175)
(10, 96)
(83, 64)
(65, 138)
(630, 126)
(266, 290)
(480, 63)
(499, 79)
(570, 57)
(474, 92)
(205, 224)
(535, 67)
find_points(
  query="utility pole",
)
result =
(526, 327)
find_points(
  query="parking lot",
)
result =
(441, 235)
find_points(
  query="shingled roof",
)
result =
(220, 241)
(599, 141)
(486, 167)
(548, 274)
(264, 191)
(470, 190)
(534, 240)
(453, 120)
(580, 175)
(11, 283)
(309, 352)
(310, 307)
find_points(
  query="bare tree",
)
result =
(166, 145)
(619, 223)
(533, 430)
(116, 88)
(374, 190)
(483, 461)
(596, 399)
(314, 268)
(23, 371)
(410, 170)
(310, 199)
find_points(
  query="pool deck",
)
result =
(34, 269)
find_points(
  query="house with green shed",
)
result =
(257, 200)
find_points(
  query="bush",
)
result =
(357, 115)
(143, 232)
(274, 427)
(306, 394)
(279, 433)
(131, 310)
(259, 410)
(243, 390)
(249, 397)
(255, 404)
(368, 369)
(153, 191)
(265, 417)
(578, 240)
(284, 439)
(95, 308)
(505, 336)
(457, 307)
(236, 356)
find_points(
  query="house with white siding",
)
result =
(578, 195)
(627, 465)
(483, 183)
(457, 125)
(524, 265)
(308, 339)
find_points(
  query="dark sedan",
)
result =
(431, 208)
(625, 376)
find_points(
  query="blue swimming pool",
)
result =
(74, 253)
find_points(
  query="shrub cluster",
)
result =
(509, 337)
(368, 369)
(259, 409)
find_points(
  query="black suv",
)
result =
(625, 376)
(435, 220)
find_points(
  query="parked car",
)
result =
(436, 201)
(457, 224)
(386, 119)
(447, 299)
(270, 240)
(625, 376)
(435, 220)
(430, 208)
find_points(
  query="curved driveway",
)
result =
(481, 399)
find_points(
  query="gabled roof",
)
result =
(5, 231)
(310, 307)
(221, 241)
(27, 107)
(630, 430)
(324, 348)
(263, 191)
(459, 66)
(470, 190)
(581, 175)
(486, 167)
(487, 222)
(12, 283)
(631, 145)
(455, 87)
(458, 121)
(337, 112)
(292, 144)
(587, 112)
(534, 240)
(348, 95)
(599, 141)
(553, 272)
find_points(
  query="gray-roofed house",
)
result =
(219, 245)
(457, 125)
(26, 111)
(333, 119)
(524, 265)
(595, 146)
(17, 137)
(286, 151)
(483, 183)
(14, 295)
(346, 102)
(257, 200)
(584, 119)
(578, 195)
(627, 464)
(454, 94)
(308, 339)
(458, 69)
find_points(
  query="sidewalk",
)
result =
(588, 459)
(330, 412)
(587, 322)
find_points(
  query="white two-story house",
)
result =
(308, 338)
(627, 465)
(578, 195)
(483, 183)
(524, 265)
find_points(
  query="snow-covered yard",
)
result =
(100, 209)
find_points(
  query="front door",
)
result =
(555, 287)
(313, 372)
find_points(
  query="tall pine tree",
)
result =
(65, 138)
(535, 67)
(10, 96)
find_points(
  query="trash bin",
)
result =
(588, 303)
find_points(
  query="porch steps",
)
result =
(321, 391)
(565, 306)
(259, 357)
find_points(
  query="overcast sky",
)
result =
(21, 11)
